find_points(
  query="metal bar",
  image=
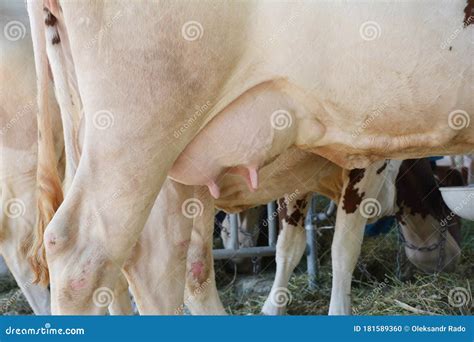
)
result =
(325, 215)
(312, 247)
(234, 231)
(243, 252)
(331, 208)
(272, 224)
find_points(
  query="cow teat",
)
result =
(253, 177)
(214, 189)
(249, 173)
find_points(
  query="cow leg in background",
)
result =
(121, 303)
(290, 249)
(358, 202)
(201, 295)
(38, 296)
(156, 269)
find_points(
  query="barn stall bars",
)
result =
(312, 220)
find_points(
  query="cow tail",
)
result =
(49, 191)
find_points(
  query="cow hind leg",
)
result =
(129, 147)
(156, 268)
(290, 249)
(90, 238)
(201, 296)
(121, 303)
(37, 295)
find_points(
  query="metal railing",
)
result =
(311, 221)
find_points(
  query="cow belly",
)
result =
(389, 97)
(355, 101)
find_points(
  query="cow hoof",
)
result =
(273, 311)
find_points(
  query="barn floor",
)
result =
(417, 294)
(12, 300)
(244, 295)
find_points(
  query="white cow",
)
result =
(18, 129)
(343, 93)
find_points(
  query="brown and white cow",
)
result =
(408, 191)
(146, 66)
(411, 194)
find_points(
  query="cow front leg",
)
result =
(358, 203)
(201, 296)
(291, 245)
